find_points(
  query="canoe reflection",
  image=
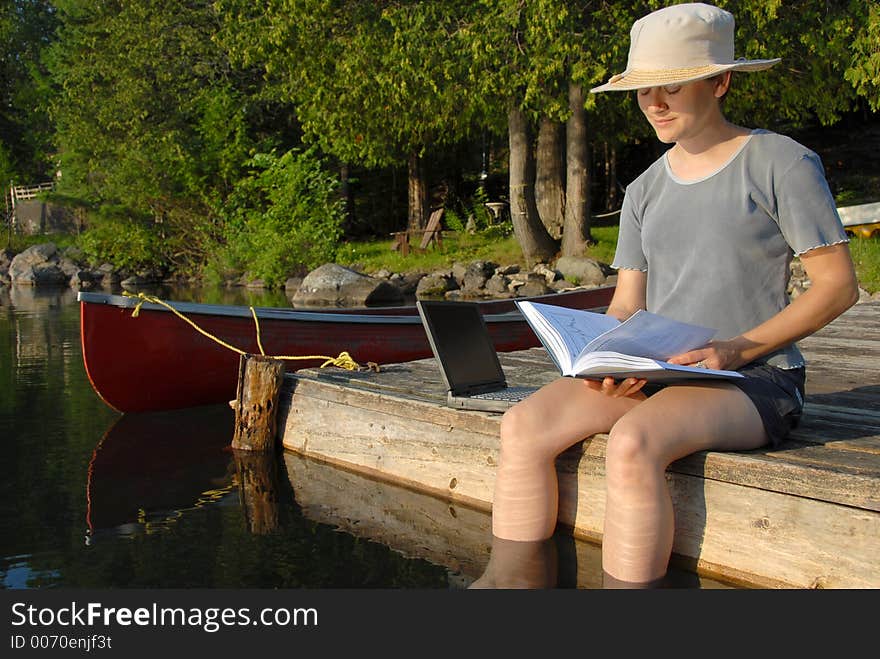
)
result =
(149, 468)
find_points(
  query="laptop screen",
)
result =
(461, 342)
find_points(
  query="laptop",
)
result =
(467, 358)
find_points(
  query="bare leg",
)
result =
(533, 433)
(673, 423)
(516, 564)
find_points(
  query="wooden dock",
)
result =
(420, 526)
(804, 516)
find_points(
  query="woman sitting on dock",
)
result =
(707, 234)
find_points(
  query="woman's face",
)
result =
(681, 112)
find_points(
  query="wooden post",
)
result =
(255, 404)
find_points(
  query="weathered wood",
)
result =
(256, 402)
(806, 515)
(417, 525)
(431, 233)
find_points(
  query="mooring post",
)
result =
(256, 402)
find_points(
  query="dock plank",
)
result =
(805, 515)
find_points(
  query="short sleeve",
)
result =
(629, 254)
(807, 211)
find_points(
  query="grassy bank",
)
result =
(377, 255)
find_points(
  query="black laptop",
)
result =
(467, 358)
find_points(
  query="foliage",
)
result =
(114, 237)
(459, 214)
(156, 106)
(17, 242)
(147, 114)
(864, 70)
(371, 82)
(25, 148)
(284, 216)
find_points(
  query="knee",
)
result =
(630, 456)
(520, 433)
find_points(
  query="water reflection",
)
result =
(155, 496)
(515, 564)
(148, 469)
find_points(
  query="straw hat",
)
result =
(680, 44)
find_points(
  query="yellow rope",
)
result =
(344, 360)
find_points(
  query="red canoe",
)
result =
(158, 361)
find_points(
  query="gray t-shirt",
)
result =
(717, 250)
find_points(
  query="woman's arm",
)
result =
(630, 294)
(833, 290)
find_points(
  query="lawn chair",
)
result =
(431, 233)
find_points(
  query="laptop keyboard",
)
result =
(510, 393)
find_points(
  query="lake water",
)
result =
(95, 499)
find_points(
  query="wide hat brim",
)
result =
(641, 79)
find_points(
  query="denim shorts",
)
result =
(777, 394)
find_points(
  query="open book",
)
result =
(595, 345)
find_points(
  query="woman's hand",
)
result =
(721, 355)
(628, 388)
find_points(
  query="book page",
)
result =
(572, 329)
(645, 334)
(601, 363)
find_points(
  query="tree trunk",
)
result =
(347, 195)
(418, 193)
(576, 234)
(549, 181)
(611, 195)
(536, 244)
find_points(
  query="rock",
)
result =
(38, 265)
(68, 266)
(408, 282)
(48, 274)
(564, 285)
(6, 257)
(549, 274)
(497, 284)
(535, 285)
(476, 275)
(436, 284)
(507, 269)
(458, 270)
(82, 279)
(333, 284)
(581, 270)
(136, 281)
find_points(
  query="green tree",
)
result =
(285, 215)
(376, 84)
(26, 28)
(864, 69)
(149, 119)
